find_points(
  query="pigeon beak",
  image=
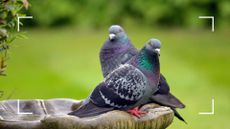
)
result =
(157, 50)
(112, 36)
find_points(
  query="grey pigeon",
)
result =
(127, 87)
(117, 50)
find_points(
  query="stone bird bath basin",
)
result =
(52, 114)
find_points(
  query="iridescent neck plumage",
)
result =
(148, 61)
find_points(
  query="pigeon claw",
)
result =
(136, 112)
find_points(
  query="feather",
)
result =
(167, 100)
(177, 115)
(89, 110)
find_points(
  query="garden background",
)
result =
(59, 58)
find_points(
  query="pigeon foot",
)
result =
(136, 112)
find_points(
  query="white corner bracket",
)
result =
(213, 109)
(22, 17)
(209, 17)
(21, 113)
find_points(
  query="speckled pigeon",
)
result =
(117, 50)
(127, 87)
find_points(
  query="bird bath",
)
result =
(52, 114)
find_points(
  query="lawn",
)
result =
(64, 63)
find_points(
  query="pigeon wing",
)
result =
(122, 88)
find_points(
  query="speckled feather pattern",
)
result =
(123, 87)
(128, 82)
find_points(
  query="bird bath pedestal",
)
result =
(52, 114)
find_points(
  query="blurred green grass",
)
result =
(64, 63)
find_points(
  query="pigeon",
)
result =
(127, 87)
(118, 50)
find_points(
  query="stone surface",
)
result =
(52, 114)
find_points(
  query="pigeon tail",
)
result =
(89, 110)
(178, 115)
(167, 100)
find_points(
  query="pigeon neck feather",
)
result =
(148, 61)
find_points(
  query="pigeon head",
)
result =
(117, 33)
(148, 57)
(153, 46)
